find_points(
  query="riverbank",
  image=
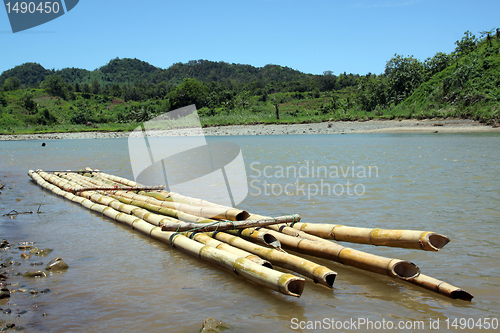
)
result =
(371, 126)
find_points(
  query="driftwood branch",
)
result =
(15, 212)
(227, 225)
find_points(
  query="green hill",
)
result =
(135, 71)
(469, 87)
(124, 92)
(27, 74)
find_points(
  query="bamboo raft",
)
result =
(248, 245)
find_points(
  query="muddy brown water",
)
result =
(120, 280)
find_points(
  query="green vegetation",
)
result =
(126, 92)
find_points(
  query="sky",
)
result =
(313, 36)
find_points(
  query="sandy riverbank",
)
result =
(372, 126)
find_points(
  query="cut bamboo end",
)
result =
(239, 215)
(434, 242)
(291, 285)
(462, 295)
(270, 240)
(441, 287)
(404, 269)
(324, 276)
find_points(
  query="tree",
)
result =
(466, 44)
(12, 83)
(327, 81)
(488, 35)
(85, 88)
(95, 87)
(277, 99)
(28, 103)
(190, 91)
(436, 64)
(55, 86)
(405, 74)
(3, 100)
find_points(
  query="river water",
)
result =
(120, 280)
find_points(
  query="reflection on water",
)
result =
(120, 280)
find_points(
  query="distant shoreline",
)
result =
(354, 127)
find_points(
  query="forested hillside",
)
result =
(118, 95)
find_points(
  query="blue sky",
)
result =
(313, 36)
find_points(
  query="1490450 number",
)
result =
(32, 8)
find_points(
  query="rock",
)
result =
(25, 256)
(44, 252)
(8, 326)
(25, 245)
(41, 253)
(57, 265)
(35, 274)
(36, 263)
(34, 250)
(212, 325)
(4, 293)
(4, 244)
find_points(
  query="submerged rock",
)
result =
(35, 274)
(4, 244)
(35, 250)
(36, 263)
(25, 245)
(213, 325)
(4, 293)
(56, 265)
(41, 253)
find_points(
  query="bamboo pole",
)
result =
(410, 239)
(221, 225)
(207, 240)
(162, 195)
(284, 283)
(210, 211)
(218, 212)
(441, 287)
(141, 189)
(128, 198)
(392, 267)
(319, 274)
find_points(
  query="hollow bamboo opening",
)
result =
(461, 294)
(295, 286)
(330, 279)
(405, 270)
(437, 241)
(271, 240)
(242, 215)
